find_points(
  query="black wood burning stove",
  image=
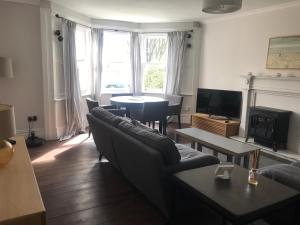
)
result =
(269, 127)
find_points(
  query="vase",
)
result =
(6, 152)
(252, 178)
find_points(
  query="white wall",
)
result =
(237, 46)
(20, 39)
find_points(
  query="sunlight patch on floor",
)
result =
(65, 146)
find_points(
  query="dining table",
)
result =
(133, 102)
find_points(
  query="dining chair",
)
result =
(175, 106)
(117, 106)
(151, 112)
(91, 103)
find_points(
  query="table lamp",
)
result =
(7, 130)
(6, 68)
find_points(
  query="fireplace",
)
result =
(269, 127)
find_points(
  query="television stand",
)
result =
(215, 117)
(219, 126)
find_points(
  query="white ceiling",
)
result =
(145, 11)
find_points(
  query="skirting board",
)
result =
(185, 118)
(40, 132)
(60, 131)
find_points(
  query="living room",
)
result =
(222, 52)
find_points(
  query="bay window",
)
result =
(83, 58)
(116, 73)
(154, 49)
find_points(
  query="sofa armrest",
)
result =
(297, 164)
(108, 106)
(198, 161)
(286, 174)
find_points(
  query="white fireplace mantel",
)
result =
(281, 92)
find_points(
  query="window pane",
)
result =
(154, 62)
(83, 56)
(116, 75)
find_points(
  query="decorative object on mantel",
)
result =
(291, 75)
(7, 130)
(6, 68)
(252, 178)
(284, 53)
(280, 76)
(221, 6)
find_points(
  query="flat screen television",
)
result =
(219, 102)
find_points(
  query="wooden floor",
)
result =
(78, 189)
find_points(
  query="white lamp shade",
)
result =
(221, 6)
(7, 122)
(6, 68)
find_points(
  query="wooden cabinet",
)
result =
(226, 128)
(20, 198)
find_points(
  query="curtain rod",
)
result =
(116, 30)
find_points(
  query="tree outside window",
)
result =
(154, 62)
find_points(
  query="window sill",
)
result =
(156, 93)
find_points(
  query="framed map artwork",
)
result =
(284, 53)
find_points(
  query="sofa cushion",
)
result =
(283, 173)
(297, 164)
(106, 116)
(159, 142)
(139, 124)
(127, 119)
(191, 158)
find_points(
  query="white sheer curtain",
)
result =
(97, 49)
(135, 55)
(73, 101)
(176, 50)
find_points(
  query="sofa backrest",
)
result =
(143, 166)
(141, 154)
(106, 116)
(165, 146)
(101, 131)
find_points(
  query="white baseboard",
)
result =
(40, 132)
(60, 131)
(186, 118)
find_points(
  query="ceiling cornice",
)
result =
(252, 12)
(29, 2)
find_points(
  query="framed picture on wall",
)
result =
(284, 53)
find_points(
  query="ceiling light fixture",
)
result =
(221, 6)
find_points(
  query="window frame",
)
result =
(117, 90)
(87, 58)
(143, 64)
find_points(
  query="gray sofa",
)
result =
(288, 174)
(146, 158)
